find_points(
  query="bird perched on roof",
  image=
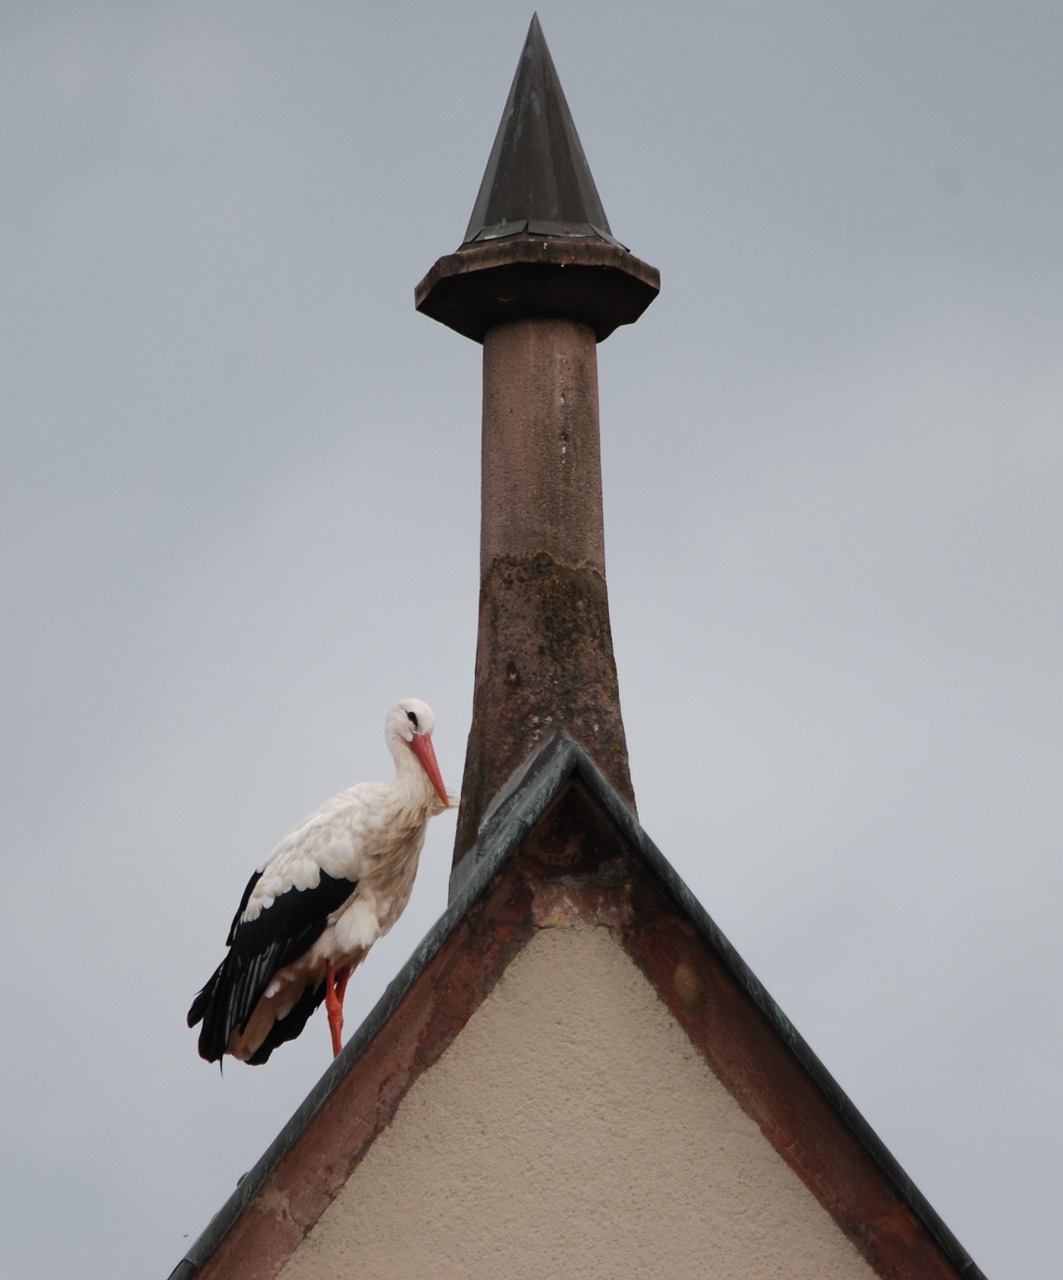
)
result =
(333, 885)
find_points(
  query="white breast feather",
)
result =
(357, 927)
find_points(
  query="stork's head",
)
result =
(411, 722)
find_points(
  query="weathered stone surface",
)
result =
(544, 657)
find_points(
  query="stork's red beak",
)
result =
(421, 746)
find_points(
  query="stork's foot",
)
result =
(335, 987)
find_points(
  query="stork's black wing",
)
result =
(258, 948)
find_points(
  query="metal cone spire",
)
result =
(537, 178)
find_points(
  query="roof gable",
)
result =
(561, 848)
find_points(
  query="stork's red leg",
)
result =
(334, 1005)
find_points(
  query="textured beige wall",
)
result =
(572, 1130)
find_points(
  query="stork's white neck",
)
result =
(411, 781)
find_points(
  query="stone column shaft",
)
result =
(544, 654)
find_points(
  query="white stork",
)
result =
(333, 885)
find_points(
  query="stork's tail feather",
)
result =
(203, 998)
(214, 1034)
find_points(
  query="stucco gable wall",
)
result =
(571, 1128)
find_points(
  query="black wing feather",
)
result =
(258, 948)
(256, 876)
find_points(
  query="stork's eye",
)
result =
(412, 717)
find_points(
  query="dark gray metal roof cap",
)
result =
(537, 178)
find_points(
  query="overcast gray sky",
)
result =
(240, 500)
